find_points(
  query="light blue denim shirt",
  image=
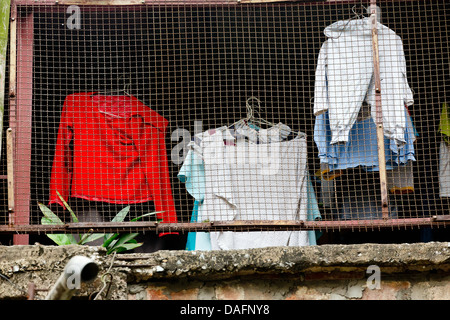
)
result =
(361, 149)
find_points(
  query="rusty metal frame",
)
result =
(20, 91)
(146, 2)
(20, 101)
(252, 225)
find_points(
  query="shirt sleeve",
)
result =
(151, 147)
(322, 136)
(320, 84)
(408, 94)
(192, 174)
(61, 174)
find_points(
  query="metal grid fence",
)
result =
(226, 117)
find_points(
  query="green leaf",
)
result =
(146, 215)
(109, 237)
(121, 215)
(62, 239)
(91, 237)
(112, 241)
(124, 239)
(52, 218)
(124, 247)
(74, 217)
(59, 238)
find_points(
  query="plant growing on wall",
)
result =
(113, 242)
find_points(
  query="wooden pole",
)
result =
(379, 112)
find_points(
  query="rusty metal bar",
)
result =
(144, 2)
(100, 2)
(21, 75)
(41, 3)
(379, 114)
(122, 227)
(13, 111)
(10, 173)
(372, 224)
(441, 218)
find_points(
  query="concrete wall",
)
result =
(357, 272)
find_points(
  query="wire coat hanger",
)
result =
(250, 105)
(355, 16)
(358, 15)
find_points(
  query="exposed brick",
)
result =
(259, 291)
(389, 290)
(156, 293)
(305, 293)
(187, 294)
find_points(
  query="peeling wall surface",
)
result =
(419, 271)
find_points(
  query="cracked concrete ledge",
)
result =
(42, 265)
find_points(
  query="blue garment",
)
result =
(313, 213)
(361, 148)
(199, 240)
(192, 173)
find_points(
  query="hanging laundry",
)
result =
(444, 152)
(192, 174)
(239, 186)
(118, 153)
(344, 79)
(444, 169)
(361, 147)
(444, 123)
(362, 151)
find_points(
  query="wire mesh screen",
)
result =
(245, 117)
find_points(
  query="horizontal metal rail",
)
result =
(242, 225)
(144, 2)
(119, 3)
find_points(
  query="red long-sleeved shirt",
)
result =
(118, 153)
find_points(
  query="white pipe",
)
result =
(78, 269)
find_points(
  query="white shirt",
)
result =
(247, 180)
(344, 78)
